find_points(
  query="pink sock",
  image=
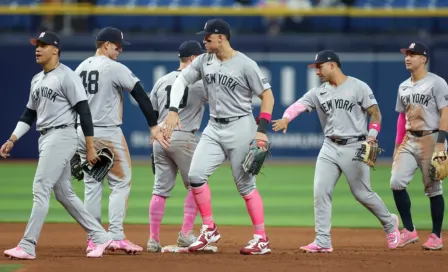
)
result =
(203, 199)
(156, 210)
(190, 212)
(254, 205)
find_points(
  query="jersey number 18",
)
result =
(183, 102)
(90, 81)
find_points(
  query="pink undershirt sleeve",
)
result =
(401, 128)
(294, 110)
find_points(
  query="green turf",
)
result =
(287, 193)
(9, 267)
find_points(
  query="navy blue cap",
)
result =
(324, 56)
(111, 34)
(47, 37)
(215, 26)
(416, 48)
(190, 48)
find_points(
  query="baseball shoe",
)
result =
(98, 250)
(207, 236)
(186, 240)
(433, 243)
(18, 253)
(256, 246)
(393, 238)
(90, 245)
(408, 237)
(153, 246)
(314, 248)
(126, 246)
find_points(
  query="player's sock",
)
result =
(254, 205)
(190, 212)
(203, 198)
(403, 203)
(156, 210)
(437, 210)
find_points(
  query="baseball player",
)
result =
(183, 143)
(422, 127)
(231, 79)
(342, 104)
(56, 95)
(104, 81)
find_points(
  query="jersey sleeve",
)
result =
(367, 98)
(192, 72)
(399, 106)
(123, 77)
(255, 78)
(30, 103)
(153, 95)
(309, 100)
(440, 93)
(73, 89)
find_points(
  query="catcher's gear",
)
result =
(75, 163)
(439, 166)
(368, 152)
(255, 157)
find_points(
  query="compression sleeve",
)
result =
(144, 103)
(294, 110)
(28, 116)
(401, 128)
(177, 92)
(21, 129)
(82, 108)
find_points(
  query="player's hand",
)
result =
(261, 140)
(371, 139)
(92, 156)
(281, 124)
(6, 147)
(439, 147)
(157, 134)
(171, 121)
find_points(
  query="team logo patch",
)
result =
(446, 97)
(265, 81)
(371, 96)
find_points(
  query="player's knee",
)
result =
(41, 190)
(196, 179)
(363, 197)
(432, 191)
(397, 183)
(245, 188)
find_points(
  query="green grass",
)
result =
(287, 193)
(9, 267)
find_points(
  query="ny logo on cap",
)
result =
(412, 45)
(205, 26)
(42, 34)
(317, 55)
(122, 36)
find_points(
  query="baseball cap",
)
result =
(190, 48)
(324, 56)
(47, 37)
(111, 34)
(416, 48)
(215, 26)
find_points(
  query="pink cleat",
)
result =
(98, 250)
(18, 253)
(126, 246)
(433, 243)
(90, 245)
(408, 237)
(207, 236)
(393, 238)
(313, 248)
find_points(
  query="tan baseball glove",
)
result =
(368, 152)
(439, 166)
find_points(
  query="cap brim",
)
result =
(33, 41)
(405, 50)
(203, 32)
(123, 42)
(314, 64)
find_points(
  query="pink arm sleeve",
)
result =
(401, 128)
(294, 110)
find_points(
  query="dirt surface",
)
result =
(61, 248)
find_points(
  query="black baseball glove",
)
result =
(254, 159)
(97, 171)
(75, 163)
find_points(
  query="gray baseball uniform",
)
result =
(230, 86)
(104, 80)
(342, 114)
(183, 143)
(53, 96)
(421, 102)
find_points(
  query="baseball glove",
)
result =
(439, 166)
(255, 157)
(102, 166)
(75, 163)
(368, 152)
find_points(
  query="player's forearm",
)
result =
(85, 117)
(145, 104)
(443, 126)
(401, 128)
(294, 110)
(25, 122)
(266, 108)
(375, 120)
(177, 92)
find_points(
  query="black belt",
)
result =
(421, 133)
(78, 124)
(345, 141)
(227, 120)
(45, 130)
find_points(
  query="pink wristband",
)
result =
(266, 116)
(375, 126)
